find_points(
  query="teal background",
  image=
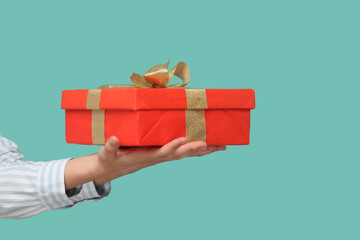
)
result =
(299, 177)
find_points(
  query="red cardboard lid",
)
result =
(158, 98)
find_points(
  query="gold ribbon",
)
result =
(156, 77)
(159, 76)
(195, 114)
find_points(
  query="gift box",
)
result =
(155, 116)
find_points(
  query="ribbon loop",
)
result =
(159, 76)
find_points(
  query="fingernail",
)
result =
(111, 141)
(183, 141)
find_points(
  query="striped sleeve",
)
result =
(30, 188)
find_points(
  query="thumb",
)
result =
(111, 147)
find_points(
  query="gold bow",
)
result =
(159, 76)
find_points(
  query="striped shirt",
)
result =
(30, 188)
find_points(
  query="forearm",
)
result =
(30, 188)
(84, 169)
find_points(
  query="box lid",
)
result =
(158, 98)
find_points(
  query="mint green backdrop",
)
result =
(298, 178)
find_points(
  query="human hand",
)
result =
(115, 162)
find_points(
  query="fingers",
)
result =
(217, 147)
(190, 148)
(198, 150)
(209, 149)
(202, 153)
(177, 149)
(172, 146)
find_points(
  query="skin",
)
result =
(112, 162)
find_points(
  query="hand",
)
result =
(116, 162)
(112, 162)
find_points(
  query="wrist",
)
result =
(82, 170)
(95, 169)
(102, 168)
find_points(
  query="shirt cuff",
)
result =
(91, 192)
(51, 185)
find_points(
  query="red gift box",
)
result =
(156, 116)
